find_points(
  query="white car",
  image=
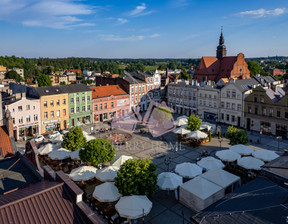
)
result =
(39, 138)
(64, 132)
(54, 134)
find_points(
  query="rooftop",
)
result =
(278, 166)
(108, 90)
(55, 90)
(5, 143)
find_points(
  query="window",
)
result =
(143, 88)
(205, 95)
(83, 99)
(256, 110)
(101, 106)
(52, 114)
(96, 107)
(88, 107)
(233, 118)
(215, 97)
(200, 102)
(133, 98)
(227, 117)
(286, 115)
(227, 105)
(112, 104)
(72, 110)
(77, 109)
(13, 110)
(72, 100)
(52, 103)
(249, 109)
(270, 112)
(263, 111)
(27, 107)
(45, 104)
(46, 115)
(222, 116)
(83, 108)
(77, 99)
(13, 120)
(105, 105)
(233, 94)
(132, 89)
(64, 112)
(233, 106)
(261, 99)
(58, 113)
(21, 120)
(210, 96)
(228, 94)
(19, 108)
(278, 113)
(239, 107)
(64, 101)
(255, 99)
(135, 89)
(210, 104)
(200, 94)
(136, 98)
(35, 117)
(88, 98)
(222, 104)
(215, 105)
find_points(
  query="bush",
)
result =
(97, 151)
(236, 136)
(137, 177)
(74, 139)
(194, 123)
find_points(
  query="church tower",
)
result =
(221, 49)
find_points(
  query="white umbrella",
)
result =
(75, 154)
(181, 117)
(59, 154)
(197, 135)
(181, 131)
(188, 170)
(169, 181)
(106, 192)
(83, 173)
(210, 163)
(107, 174)
(46, 149)
(87, 136)
(250, 163)
(57, 139)
(228, 155)
(133, 207)
(182, 121)
(242, 149)
(119, 160)
(265, 155)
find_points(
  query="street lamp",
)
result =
(278, 138)
(220, 140)
(167, 162)
(252, 128)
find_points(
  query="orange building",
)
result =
(109, 101)
(222, 66)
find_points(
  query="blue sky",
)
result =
(142, 29)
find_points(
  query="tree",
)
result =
(137, 177)
(135, 67)
(254, 68)
(63, 83)
(194, 123)
(13, 75)
(183, 74)
(44, 80)
(74, 139)
(236, 136)
(97, 151)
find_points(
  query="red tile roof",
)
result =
(104, 91)
(5, 144)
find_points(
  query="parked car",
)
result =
(64, 132)
(39, 138)
(54, 134)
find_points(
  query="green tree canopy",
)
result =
(254, 68)
(44, 80)
(74, 139)
(183, 74)
(13, 75)
(97, 151)
(236, 136)
(135, 67)
(137, 177)
(194, 123)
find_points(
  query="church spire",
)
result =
(221, 49)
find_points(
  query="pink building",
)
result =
(26, 116)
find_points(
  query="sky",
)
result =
(142, 29)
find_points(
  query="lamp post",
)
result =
(220, 140)
(167, 162)
(260, 136)
(278, 138)
(252, 128)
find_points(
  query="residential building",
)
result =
(182, 96)
(266, 110)
(109, 101)
(26, 116)
(20, 71)
(86, 72)
(222, 66)
(3, 71)
(80, 104)
(277, 71)
(209, 101)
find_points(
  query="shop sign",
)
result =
(51, 121)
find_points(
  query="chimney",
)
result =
(167, 73)
(18, 96)
(23, 95)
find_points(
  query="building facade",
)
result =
(108, 102)
(26, 116)
(3, 71)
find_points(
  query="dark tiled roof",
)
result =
(19, 175)
(55, 90)
(245, 84)
(74, 88)
(43, 202)
(132, 80)
(5, 143)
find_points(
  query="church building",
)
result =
(222, 66)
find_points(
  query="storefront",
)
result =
(210, 116)
(51, 125)
(24, 131)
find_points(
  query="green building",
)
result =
(80, 104)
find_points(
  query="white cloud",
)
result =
(112, 37)
(155, 35)
(140, 10)
(263, 12)
(122, 21)
(180, 3)
(57, 14)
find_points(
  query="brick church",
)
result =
(222, 66)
